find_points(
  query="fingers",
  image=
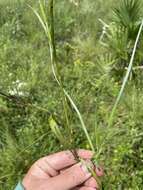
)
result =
(91, 183)
(46, 167)
(87, 188)
(72, 177)
(65, 159)
(99, 171)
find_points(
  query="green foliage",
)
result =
(91, 70)
(129, 15)
(120, 35)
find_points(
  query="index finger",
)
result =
(65, 159)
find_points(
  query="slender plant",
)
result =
(48, 26)
(49, 31)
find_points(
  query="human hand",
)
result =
(60, 171)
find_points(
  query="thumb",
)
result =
(70, 178)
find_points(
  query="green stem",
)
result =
(126, 77)
(20, 102)
(55, 70)
(65, 94)
(55, 65)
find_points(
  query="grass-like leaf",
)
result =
(56, 130)
(50, 35)
(126, 76)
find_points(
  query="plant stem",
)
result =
(66, 95)
(20, 102)
(56, 67)
(126, 77)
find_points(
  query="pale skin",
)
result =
(60, 171)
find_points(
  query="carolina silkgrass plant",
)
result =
(65, 133)
(66, 142)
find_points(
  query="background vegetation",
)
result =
(94, 45)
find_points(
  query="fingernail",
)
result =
(85, 170)
(99, 171)
(84, 167)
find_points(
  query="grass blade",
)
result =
(81, 121)
(50, 35)
(126, 76)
